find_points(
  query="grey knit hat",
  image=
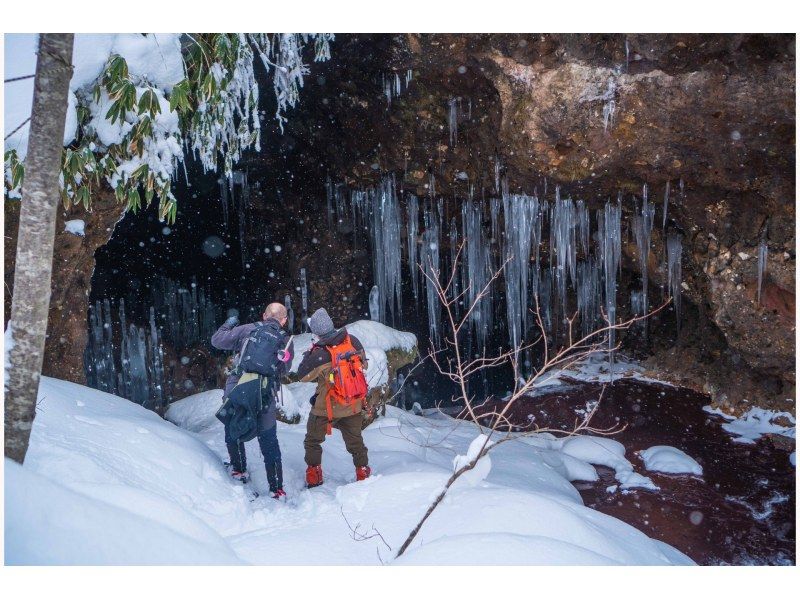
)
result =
(320, 322)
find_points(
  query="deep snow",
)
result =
(106, 481)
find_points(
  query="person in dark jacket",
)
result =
(316, 366)
(231, 337)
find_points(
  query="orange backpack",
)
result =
(347, 383)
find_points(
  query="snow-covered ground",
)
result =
(106, 481)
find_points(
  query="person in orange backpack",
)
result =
(336, 361)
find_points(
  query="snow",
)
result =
(106, 481)
(755, 423)
(154, 59)
(75, 227)
(49, 524)
(609, 453)
(668, 459)
(598, 368)
(481, 470)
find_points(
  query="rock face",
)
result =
(713, 116)
(73, 265)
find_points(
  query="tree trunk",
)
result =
(40, 199)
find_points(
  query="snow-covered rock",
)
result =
(668, 459)
(106, 481)
(755, 423)
(610, 453)
(75, 227)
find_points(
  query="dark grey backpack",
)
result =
(259, 354)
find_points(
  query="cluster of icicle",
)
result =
(134, 368)
(555, 254)
(393, 84)
(131, 363)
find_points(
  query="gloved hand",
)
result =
(232, 321)
(284, 356)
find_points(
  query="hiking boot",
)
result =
(240, 476)
(314, 476)
(279, 494)
(362, 473)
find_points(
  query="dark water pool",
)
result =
(742, 510)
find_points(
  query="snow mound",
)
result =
(668, 459)
(609, 453)
(106, 481)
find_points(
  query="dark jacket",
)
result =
(231, 338)
(248, 410)
(316, 366)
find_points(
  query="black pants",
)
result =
(268, 442)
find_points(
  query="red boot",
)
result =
(362, 473)
(314, 476)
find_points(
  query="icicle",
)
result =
(304, 298)
(627, 55)
(223, 198)
(520, 212)
(452, 119)
(494, 205)
(458, 283)
(287, 301)
(478, 269)
(582, 216)
(329, 203)
(674, 249)
(430, 263)
(386, 248)
(666, 205)
(497, 167)
(642, 230)
(375, 304)
(762, 266)
(589, 294)
(412, 235)
(562, 242)
(610, 237)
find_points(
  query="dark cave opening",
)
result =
(234, 250)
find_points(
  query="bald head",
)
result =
(276, 311)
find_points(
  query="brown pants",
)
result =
(350, 427)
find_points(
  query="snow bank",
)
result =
(106, 481)
(48, 524)
(114, 451)
(754, 424)
(668, 459)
